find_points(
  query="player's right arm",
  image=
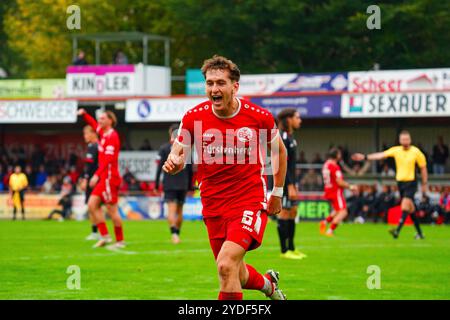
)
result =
(370, 156)
(175, 160)
(88, 119)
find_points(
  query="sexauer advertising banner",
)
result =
(159, 110)
(390, 105)
(399, 80)
(264, 84)
(38, 111)
(316, 106)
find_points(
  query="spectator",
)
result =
(127, 176)
(317, 159)
(120, 58)
(370, 203)
(439, 156)
(31, 176)
(49, 184)
(301, 158)
(80, 60)
(65, 202)
(2, 186)
(427, 157)
(9, 172)
(134, 185)
(41, 177)
(386, 200)
(73, 174)
(444, 204)
(311, 181)
(355, 204)
(386, 171)
(146, 146)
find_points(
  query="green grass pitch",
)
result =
(35, 255)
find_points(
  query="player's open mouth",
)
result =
(217, 99)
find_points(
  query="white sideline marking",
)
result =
(179, 251)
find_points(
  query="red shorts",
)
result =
(246, 229)
(337, 200)
(107, 190)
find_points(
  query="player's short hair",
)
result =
(333, 153)
(112, 117)
(283, 115)
(404, 132)
(89, 128)
(221, 63)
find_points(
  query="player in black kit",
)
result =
(288, 121)
(90, 166)
(175, 187)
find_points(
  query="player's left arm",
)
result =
(278, 157)
(422, 163)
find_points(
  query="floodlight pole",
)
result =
(74, 48)
(167, 52)
(97, 52)
(145, 51)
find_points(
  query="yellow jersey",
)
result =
(18, 181)
(405, 162)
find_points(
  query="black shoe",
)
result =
(419, 237)
(394, 233)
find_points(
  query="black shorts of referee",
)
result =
(178, 196)
(407, 189)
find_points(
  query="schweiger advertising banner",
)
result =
(308, 106)
(399, 80)
(159, 110)
(387, 105)
(33, 88)
(263, 84)
(39, 111)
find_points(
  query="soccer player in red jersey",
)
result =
(334, 185)
(231, 137)
(106, 180)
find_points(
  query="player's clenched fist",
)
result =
(274, 206)
(81, 111)
(173, 164)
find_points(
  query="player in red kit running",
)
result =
(334, 186)
(106, 180)
(231, 136)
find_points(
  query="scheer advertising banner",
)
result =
(389, 105)
(399, 80)
(159, 110)
(308, 106)
(39, 111)
(264, 84)
(142, 164)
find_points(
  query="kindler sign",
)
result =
(389, 105)
(102, 80)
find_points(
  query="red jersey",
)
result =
(331, 171)
(230, 153)
(108, 151)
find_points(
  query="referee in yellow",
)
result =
(406, 157)
(18, 182)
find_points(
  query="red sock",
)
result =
(329, 219)
(333, 226)
(118, 231)
(230, 295)
(102, 229)
(255, 279)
